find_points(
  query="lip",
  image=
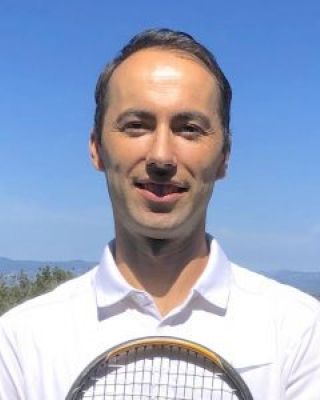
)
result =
(164, 192)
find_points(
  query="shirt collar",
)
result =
(213, 285)
(215, 282)
(111, 287)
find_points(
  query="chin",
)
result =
(160, 229)
(157, 225)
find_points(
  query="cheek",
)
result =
(115, 152)
(203, 164)
(209, 173)
(121, 155)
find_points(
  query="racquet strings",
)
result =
(159, 372)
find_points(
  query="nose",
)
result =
(161, 161)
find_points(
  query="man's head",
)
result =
(175, 41)
(161, 139)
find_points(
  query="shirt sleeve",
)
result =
(11, 377)
(303, 366)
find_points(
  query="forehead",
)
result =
(163, 75)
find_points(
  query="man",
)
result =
(162, 139)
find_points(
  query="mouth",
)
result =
(162, 189)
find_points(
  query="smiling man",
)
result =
(162, 139)
(162, 146)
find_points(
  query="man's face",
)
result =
(161, 144)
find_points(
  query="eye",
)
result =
(190, 131)
(135, 128)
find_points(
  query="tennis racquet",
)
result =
(159, 368)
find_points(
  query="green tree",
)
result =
(16, 289)
(48, 278)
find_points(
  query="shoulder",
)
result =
(259, 285)
(285, 305)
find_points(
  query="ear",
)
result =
(223, 167)
(95, 152)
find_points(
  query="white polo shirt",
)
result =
(269, 332)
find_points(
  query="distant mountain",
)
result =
(306, 281)
(30, 267)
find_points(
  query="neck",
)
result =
(165, 268)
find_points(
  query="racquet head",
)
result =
(159, 368)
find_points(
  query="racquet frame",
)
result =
(230, 372)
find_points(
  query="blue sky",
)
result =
(53, 204)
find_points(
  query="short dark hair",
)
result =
(165, 39)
